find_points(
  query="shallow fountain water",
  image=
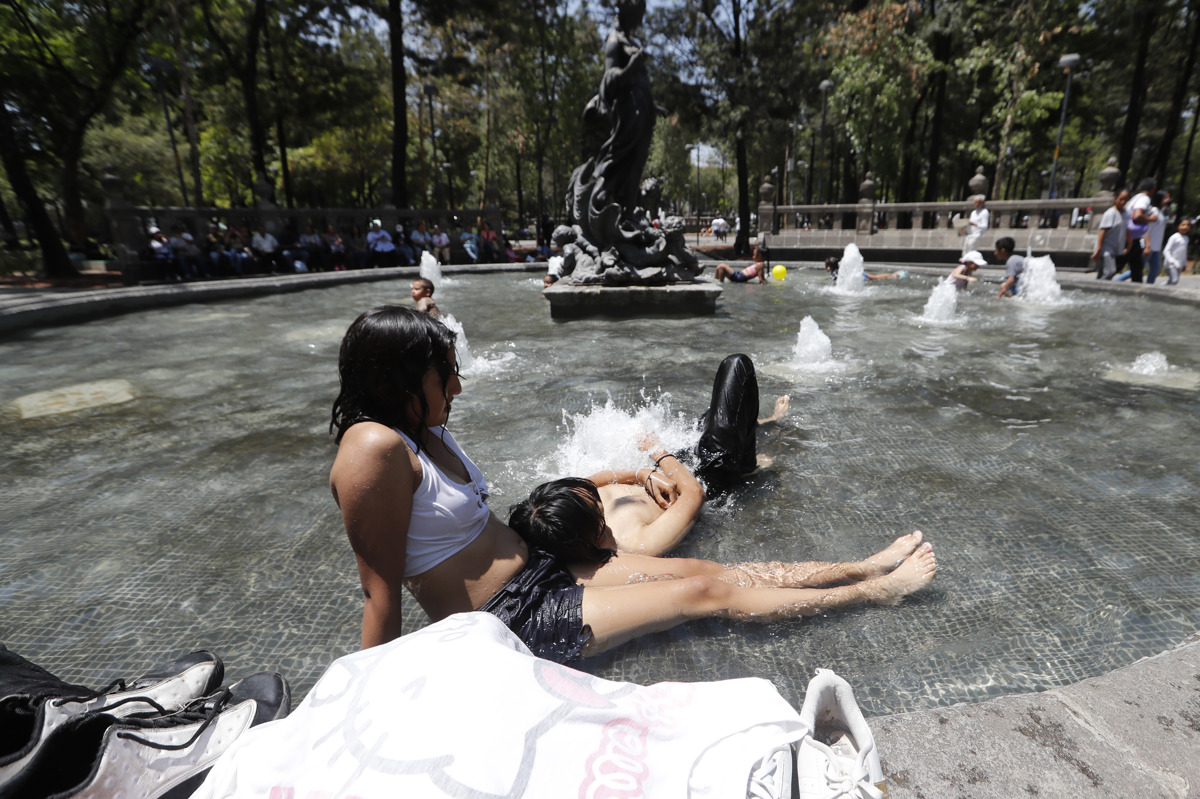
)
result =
(191, 508)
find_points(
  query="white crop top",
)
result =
(446, 515)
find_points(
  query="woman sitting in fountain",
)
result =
(415, 511)
(758, 268)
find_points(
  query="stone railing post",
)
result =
(865, 216)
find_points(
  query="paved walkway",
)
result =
(1134, 732)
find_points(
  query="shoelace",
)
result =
(843, 784)
(760, 788)
(204, 710)
(116, 686)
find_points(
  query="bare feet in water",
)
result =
(882, 563)
(913, 574)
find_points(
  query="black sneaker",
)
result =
(99, 755)
(35, 702)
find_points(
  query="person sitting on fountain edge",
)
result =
(1014, 265)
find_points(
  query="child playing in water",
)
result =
(1175, 252)
(833, 266)
(758, 268)
(964, 272)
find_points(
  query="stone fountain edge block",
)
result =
(679, 299)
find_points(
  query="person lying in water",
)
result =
(415, 511)
(833, 266)
(651, 508)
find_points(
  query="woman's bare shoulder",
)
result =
(369, 446)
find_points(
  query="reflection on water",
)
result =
(1063, 502)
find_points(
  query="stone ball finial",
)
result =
(767, 190)
(979, 184)
(866, 189)
(1110, 175)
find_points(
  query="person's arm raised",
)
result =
(373, 479)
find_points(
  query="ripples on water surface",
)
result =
(1057, 479)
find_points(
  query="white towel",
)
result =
(461, 708)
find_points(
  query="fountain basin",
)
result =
(680, 299)
(1064, 501)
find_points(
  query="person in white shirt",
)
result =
(264, 246)
(1138, 217)
(1112, 241)
(978, 223)
(1156, 234)
(1176, 252)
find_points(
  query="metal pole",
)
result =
(1067, 62)
(698, 223)
(430, 91)
(824, 86)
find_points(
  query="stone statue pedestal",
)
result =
(682, 299)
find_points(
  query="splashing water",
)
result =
(1150, 363)
(468, 362)
(1038, 282)
(430, 268)
(942, 302)
(1152, 369)
(813, 347)
(850, 270)
(605, 436)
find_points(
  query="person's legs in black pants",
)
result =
(726, 448)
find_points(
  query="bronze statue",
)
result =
(609, 209)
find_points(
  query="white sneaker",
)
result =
(839, 758)
(771, 777)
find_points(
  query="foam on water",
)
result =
(939, 308)
(850, 271)
(1038, 282)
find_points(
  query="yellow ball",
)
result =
(779, 272)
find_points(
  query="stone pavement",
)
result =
(1134, 732)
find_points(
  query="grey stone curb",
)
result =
(1134, 732)
(29, 308)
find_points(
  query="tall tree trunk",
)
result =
(1144, 25)
(72, 192)
(10, 229)
(189, 107)
(395, 20)
(1181, 200)
(54, 254)
(1162, 153)
(741, 242)
(942, 44)
(280, 104)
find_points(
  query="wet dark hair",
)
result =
(385, 355)
(1006, 243)
(565, 519)
(1147, 184)
(832, 263)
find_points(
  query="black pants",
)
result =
(726, 447)
(1135, 261)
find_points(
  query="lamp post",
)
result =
(431, 92)
(449, 185)
(824, 86)
(1068, 63)
(775, 203)
(696, 149)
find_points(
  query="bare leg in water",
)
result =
(659, 597)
